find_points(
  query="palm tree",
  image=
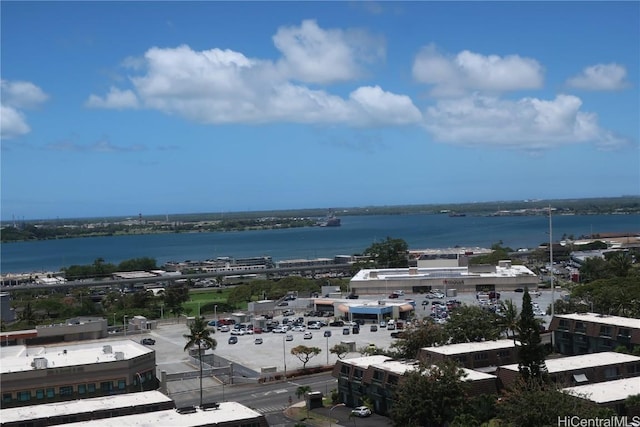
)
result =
(199, 335)
(509, 317)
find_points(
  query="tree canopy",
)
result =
(304, 353)
(390, 253)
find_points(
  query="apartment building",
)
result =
(377, 378)
(581, 369)
(473, 355)
(610, 394)
(582, 333)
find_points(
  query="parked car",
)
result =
(374, 328)
(224, 328)
(393, 296)
(361, 411)
(337, 323)
(518, 290)
(308, 335)
(233, 339)
(257, 341)
(425, 302)
(148, 341)
(327, 334)
(314, 325)
(346, 331)
(289, 337)
(238, 332)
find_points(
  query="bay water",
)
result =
(420, 231)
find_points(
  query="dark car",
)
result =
(374, 328)
(148, 341)
(518, 290)
(327, 333)
(233, 339)
(336, 323)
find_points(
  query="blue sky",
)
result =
(121, 108)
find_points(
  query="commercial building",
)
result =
(367, 311)
(472, 355)
(583, 333)
(582, 369)
(503, 277)
(33, 375)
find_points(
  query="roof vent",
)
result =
(107, 349)
(119, 355)
(187, 410)
(39, 363)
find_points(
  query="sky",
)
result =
(153, 108)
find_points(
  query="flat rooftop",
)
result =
(82, 406)
(227, 412)
(400, 367)
(572, 363)
(366, 361)
(438, 273)
(470, 347)
(608, 391)
(20, 358)
(625, 322)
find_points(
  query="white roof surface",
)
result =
(469, 347)
(82, 406)
(572, 363)
(438, 273)
(20, 358)
(625, 322)
(400, 367)
(608, 391)
(227, 412)
(365, 362)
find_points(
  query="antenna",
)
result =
(553, 287)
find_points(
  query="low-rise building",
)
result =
(472, 355)
(33, 375)
(582, 369)
(582, 333)
(502, 277)
(377, 378)
(610, 394)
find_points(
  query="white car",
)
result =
(238, 332)
(289, 338)
(224, 328)
(298, 329)
(361, 411)
(314, 326)
(308, 335)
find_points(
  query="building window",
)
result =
(610, 373)
(480, 356)
(51, 393)
(345, 370)
(40, 394)
(564, 324)
(82, 389)
(357, 374)
(378, 375)
(91, 388)
(580, 327)
(633, 369)
(392, 379)
(23, 396)
(504, 353)
(66, 391)
(624, 333)
(605, 331)
(121, 384)
(6, 397)
(106, 386)
(606, 343)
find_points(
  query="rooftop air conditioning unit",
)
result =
(107, 349)
(39, 363)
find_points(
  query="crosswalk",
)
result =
(270, 409)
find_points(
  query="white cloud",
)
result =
(600, 77)
(313, 55)
(116, 98)
(17, 96)
(529, 124)
(468, 72)
(225, 86)
(12, 123)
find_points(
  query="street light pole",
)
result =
(215, 314)
(124, 324)
(327, 350)
(284, 355)
(332, 408)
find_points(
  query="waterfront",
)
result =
(420, 231)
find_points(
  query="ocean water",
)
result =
(420, 231)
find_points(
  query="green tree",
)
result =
(27, 315)
(471, 323)
(304, 353)
(530, 350)
(618, 296)
(174, 297)
(594, 268)
(509, 318)
(413, 339)
(199, 335)
(619, 263)
(390, 253)
(340, 350)
(429, 396)
(543, 404)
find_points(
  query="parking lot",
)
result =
(275, 349)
